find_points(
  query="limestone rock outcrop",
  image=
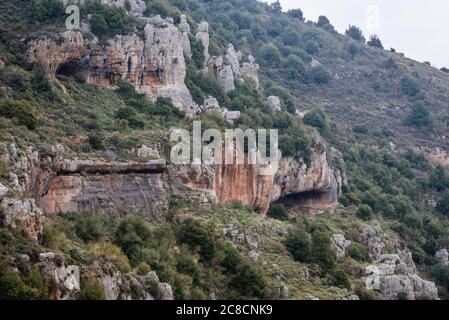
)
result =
(202, 35)
(243, 183)
(53, 53)
(66, 279)
(442, 256)
(3, 191)
(185, 29)
(396, 277)
(372, 240)
(22, 214)
(274, 103)
(340, 244)
(154, 65)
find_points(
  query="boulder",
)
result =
(233, 59)
(210, 104)
(22, 214)
(249, 69)
(395, 275)
(274, 103)
(442, 256)
(202, 35)
(373, 242)
(66, 279)
(226, 77)
(165, 291)
(3, 191)
(183, 24)
(340, 244)
(144, 153)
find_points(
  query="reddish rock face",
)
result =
(144, 194)
(316, 186)
(243, 184)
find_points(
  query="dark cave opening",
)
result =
(307, 202)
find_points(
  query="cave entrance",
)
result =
(69, 69)
(309, 202)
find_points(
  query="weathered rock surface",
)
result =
(144, 194)
(274, 103)
(65, 167)
(23, 214)
(53, 53)
(340, 244)
(3, 191)
(373, 242)
(66, 279)
(395, 276)
(155, 65)
(202, 35)
(144, 153)
(442, 256)
(249, 69)
(243, 183)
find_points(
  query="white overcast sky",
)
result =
(419, 28)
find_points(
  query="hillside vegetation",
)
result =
(384, 112)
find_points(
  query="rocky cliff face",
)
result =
(242, 183)
(59, 185)
(155, 65)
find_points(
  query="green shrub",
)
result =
(365, 212)
(47, 10)
(15, 77)
(419, 115)
(270, 55)
(12, 287)
(358, 252)
(360, 129)
(98, 25)
(312, 47)
(248, 281)
(355, 33)
(21, 110)
(321, 75)
(89, 227)
(339, 278)
(197, 237)
(231, 260)
(278, 211)
(375, 42)
(91, 289)
(299, 244)
(365, 294)
(95, 141)
(133, 235)
(409, 87)
(443, 204)
(322, 251)
(317, 118)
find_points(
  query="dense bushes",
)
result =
(321, 75)
(317, 118)
(365, 212)
(419, 115)
(375, 42)
(197, 237)
(355, 33)
(21, 110)
(410, 87)
(358, 252)
(278, 211)
(312, 245)
(107, 21)
(47, 10)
